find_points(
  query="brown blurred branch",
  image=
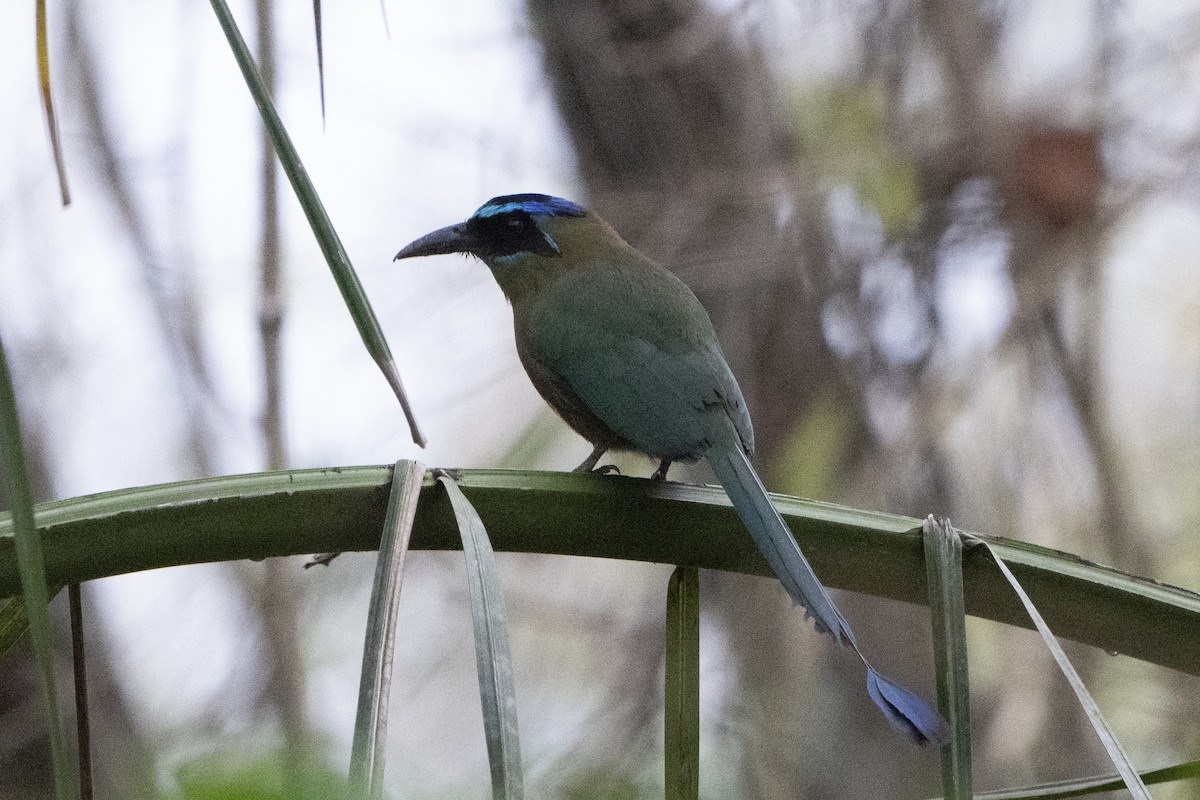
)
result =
(278, 596)
(675, 122)
(270, 302)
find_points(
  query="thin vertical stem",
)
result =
(270, 302)
(279, 598)
(83, 726)
(681, 705)
(30, 562)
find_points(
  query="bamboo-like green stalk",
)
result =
(27, 562)
(313, 511)
(681, 701)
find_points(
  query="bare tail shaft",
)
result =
(905, 711)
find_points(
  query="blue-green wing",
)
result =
(636, 346)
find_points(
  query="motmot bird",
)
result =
(628, 357)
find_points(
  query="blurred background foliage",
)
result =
(949, 246)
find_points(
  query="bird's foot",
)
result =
(660, 474)
(589, 463)
(607, 469)
(323, 560)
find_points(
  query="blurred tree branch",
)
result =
(275, 593)
(171, 295)
(675, 123)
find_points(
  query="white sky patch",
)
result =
(975, 298)
(182, 635)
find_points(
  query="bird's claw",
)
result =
(322, 559)
(606, 469)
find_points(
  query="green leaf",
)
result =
(331, 245)
(13, 624)
(43, 65)
(370, 725)
(1081, 787)
(493, 659)
(681, 706)
(943, 572)
(1116, 752)
(235, 772)
(342, 509)
(14, 621)
(32, 569)
(320, 54)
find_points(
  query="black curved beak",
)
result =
(451, 239)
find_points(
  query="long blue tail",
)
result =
(905, 711)
(775, 541)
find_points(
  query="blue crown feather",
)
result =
(542, 204)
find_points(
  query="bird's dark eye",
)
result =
(508, 234)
